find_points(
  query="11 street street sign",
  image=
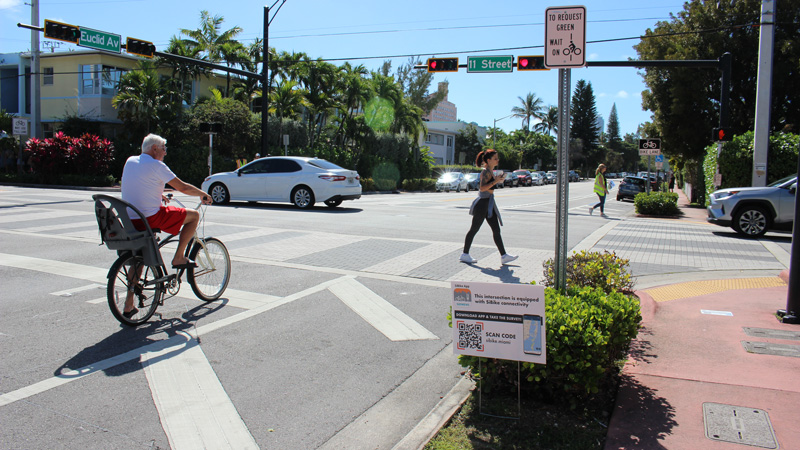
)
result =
(490, 64)
(99, 40)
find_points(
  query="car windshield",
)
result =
(520, 172)
(472, 176)
(783, 180)
(324, 164)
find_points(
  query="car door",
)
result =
(251, 182)
(786, 204)
(283, 175)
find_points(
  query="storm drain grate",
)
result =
(738, 424)
(772, 334)
(767, 348)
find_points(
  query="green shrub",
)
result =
(657, 203)
(61, 155)
(419, 184)
(588, 332)
(367, 185)
(605, 271)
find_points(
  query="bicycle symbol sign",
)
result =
(649, 146)
(565, 37)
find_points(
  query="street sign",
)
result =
(649, 147)
(565, 37)
(19, 127)
(659, 159)
(99, 40)
(490, 64)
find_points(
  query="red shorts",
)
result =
(168, 219)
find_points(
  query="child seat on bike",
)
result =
(118, 232)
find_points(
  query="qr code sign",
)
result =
(470, 336)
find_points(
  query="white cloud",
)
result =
(591, 57)
(622, 94)
(7, 4)
(601, 95)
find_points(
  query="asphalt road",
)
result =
(287, 359)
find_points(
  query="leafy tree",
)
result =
(142, 98)
(613, 138)
(685, 101)
(416, 84)
(286, 102)
(208, 37)
(184, 72)
(468, 141)
(549, 121)
(584, 132)
(531, 108)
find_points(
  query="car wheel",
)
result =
(619, 198)
(219, 193)
(751, 221)
(333, 203)
(303, 197)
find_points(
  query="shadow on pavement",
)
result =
(644, 418)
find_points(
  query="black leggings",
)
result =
(601, 203)
(477, 221)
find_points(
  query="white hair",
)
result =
(152, 140)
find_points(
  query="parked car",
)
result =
(629, 187)
(573, 176)
(298, 180)
(524, 177)
(551, 177)
(752, 211)
(512, 180)
(473, 181)
(452, 181)
(536, 179)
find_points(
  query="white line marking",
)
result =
(44, 215)
(97, 301)
(777, 251)
(393, 323)
(77, 289)
(194, 409)
(65, 269)
(62, 226)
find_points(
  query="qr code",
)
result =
(470, 336)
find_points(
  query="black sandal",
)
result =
(130, 313)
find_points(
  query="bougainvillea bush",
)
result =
(61, 156)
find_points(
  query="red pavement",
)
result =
(683, 358)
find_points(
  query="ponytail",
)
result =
(483, 156)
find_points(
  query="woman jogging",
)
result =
(484, 208)
(601, 189)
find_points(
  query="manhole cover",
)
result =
(738, 424)
(767, 348)
(772, 334)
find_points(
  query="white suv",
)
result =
(752, 211)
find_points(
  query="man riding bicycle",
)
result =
(143, 180)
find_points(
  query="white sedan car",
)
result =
(299, 180)
(452, 181)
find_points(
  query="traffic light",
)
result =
(722, 134)
(442, 64)
(61, 31)
(531, 63)
(140, 47)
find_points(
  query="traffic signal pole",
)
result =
(265, 87)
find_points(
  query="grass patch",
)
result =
(543, 425)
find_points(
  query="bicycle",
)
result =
(140, 260)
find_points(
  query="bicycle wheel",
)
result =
(213, 272)
(146, 298)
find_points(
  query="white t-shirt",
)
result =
(143, 180)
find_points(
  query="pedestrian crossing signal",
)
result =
(140, 47)
(722, 134)
(531, 63)
(61, 31)
(442, 64)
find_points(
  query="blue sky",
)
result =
(391, 30)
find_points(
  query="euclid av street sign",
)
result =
(99, 40)
(490, 64)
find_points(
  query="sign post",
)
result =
(19, 127)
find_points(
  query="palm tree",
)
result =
(182, 71)
(531, 108)
(141, 96)
(286, 101)
(549, 122)
(233, 52)
(208, 36)
(318, 78)
(352, 93)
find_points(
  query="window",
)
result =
(99, 79)
(284, 166)
(437, 139)
(450, 141)
(47, 75)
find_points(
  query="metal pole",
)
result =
(36, 93)
(494, 132)
(560, 266)
(763, 93)
(790, 315)
(265, 86)
(210, 150)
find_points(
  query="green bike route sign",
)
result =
(490, 64)
(99, 40)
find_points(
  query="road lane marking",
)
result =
(63, 226)
(77, 289)
(194, 409)
(38, 216)
(382, 315)
(64, 269)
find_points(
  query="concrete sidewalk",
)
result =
(696, 376)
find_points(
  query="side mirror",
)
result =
(238, 173)
(793, 188)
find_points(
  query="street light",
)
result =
(494, 129)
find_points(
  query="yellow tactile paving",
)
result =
(697, 288)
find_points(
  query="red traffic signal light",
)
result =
(531, 63)
(442, 64)
(722, 134)
(140, 47)
(61, 31)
